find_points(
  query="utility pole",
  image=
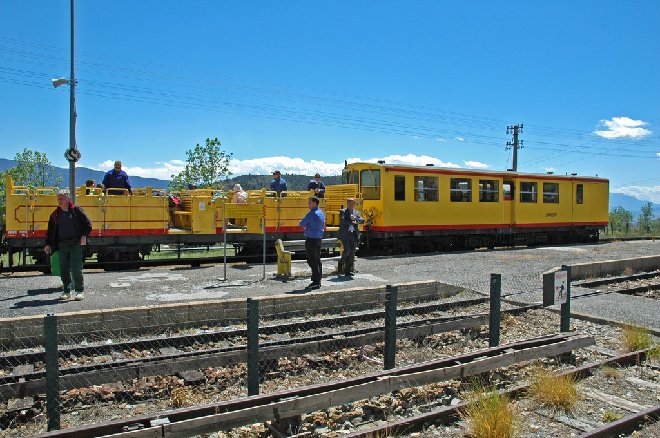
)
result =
(516, 129)
(72, 117)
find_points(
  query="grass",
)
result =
(610, 416)
(610, 372)
(635, 338)
(489, 414)
(554, 391)
(628, 271)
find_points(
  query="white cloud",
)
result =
(623, 127)
(460, 138)
(643, 193)
(442, 140)
(266, 165)
(161, 170)
(410, 159)
(549, 169)
(658, 154)
(475, 165)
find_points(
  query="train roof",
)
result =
(430, 169)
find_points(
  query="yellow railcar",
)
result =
(126, 227)
(424, 208)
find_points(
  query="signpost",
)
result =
(557, 290)
(72, 155)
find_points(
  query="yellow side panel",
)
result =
(149, 214)
(540, 213)
(203, 215)
(595, 202)
(117, 210)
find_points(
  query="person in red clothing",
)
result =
(68, 230)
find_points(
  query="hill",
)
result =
(248, 182)
(84, 173)
(631, 204)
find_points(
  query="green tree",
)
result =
(33, 169)
(206, 166)
(645, 218)
(620, 220)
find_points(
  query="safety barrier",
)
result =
(286, 250)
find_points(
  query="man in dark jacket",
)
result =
(116, 179)
(68, 229)
(317, 185)
(348, 233)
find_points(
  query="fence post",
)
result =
(52, 372)
(390, 326)
(494, 321)
(565, 322)
(253, 346)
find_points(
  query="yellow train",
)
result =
(125, 228)
(407, 209)
(428, 208)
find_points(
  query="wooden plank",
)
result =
(149, 432)
(644, 383)
(613, 400)
(384, 385)
(626, 424)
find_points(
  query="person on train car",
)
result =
(278, 184)
(116, 179)
(68, 230)
(314, 224)
(317, 185)
(89, 187)
(348, 234)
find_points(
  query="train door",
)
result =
(509, 202)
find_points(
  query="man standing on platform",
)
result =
(68, 228)
(349, 234)
(314, 224)
(278, 184)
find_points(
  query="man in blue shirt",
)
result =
(314, 224)
(278, 184)
(116, 179)
(317, 185)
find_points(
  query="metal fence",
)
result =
(93, 368)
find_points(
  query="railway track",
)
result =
(637, 415)
(146, 358)
(644, 284)
(295, 402)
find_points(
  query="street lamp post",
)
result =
(72, 154)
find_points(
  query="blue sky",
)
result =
(302, 86)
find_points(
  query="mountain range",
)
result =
(296, 182)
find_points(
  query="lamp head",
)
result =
(59, 81)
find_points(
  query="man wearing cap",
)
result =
(317, 185)
(278, 184)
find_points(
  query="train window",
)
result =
(399, 188)
(349, 177)
(370, 184)
(460, 190)
(426, 188)
(550, 193)
(528, 192)
(579, 194)
(488, 190)
(508, 187)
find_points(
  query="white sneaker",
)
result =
(65, 296)
(80, 296)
